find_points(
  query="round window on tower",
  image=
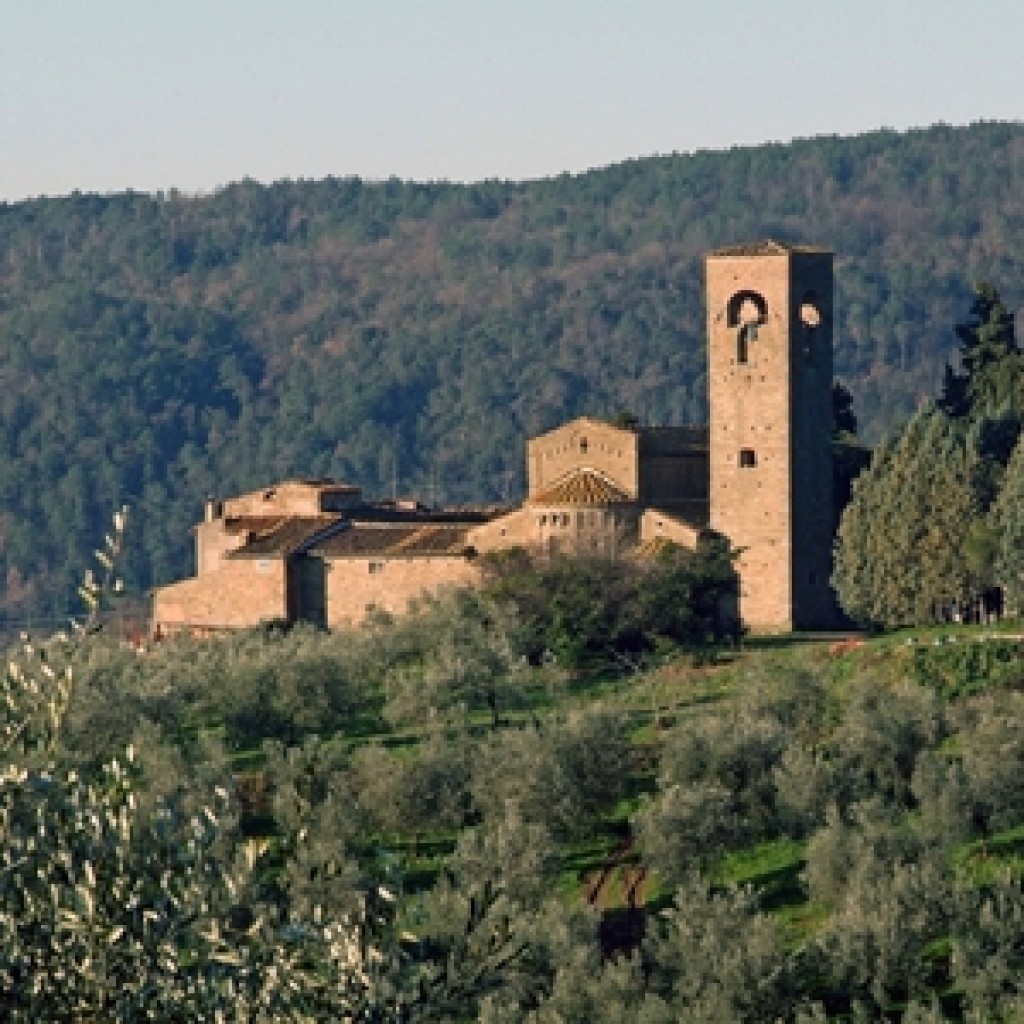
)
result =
(810, 315)
(810, 320)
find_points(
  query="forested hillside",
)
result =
(157, 349)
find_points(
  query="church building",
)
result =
(760, 474)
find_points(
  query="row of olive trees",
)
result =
(135, 885)
(887, 789)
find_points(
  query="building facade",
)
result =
(769, 331)
(759, 475)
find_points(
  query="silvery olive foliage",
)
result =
(128, 891)
(714, 956)
(118, 908)
(107, 913)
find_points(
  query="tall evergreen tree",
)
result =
(920, 536)
(855, 566)
(949, 511)
(993, 367)
(901, 546)
(1008, 518)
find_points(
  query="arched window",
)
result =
(746, 307)
(746, 312)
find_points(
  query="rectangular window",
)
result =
(748, 458)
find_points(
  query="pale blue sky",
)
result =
(103, 95)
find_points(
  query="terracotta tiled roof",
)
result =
(251, 524)
(582, 487)
(411, 513)
(426, 539)
(279, 535)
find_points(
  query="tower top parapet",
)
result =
(766, 247)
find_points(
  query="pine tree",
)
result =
(993, 367)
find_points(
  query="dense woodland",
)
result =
(409, 336)
(552, 801)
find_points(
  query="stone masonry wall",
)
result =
(769, 432)
(213, 542)
(355, 586)
(749, 432)
(656, 525)
(241, 593)
(584, 442)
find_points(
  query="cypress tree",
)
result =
(950, 513)
(877, 577)
(1008, 520)
(853, 576)
(901, 549)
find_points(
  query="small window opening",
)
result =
(748, 458)
(810, 315)
(583, 446)
(810, 320)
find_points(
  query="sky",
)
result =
(108, 95)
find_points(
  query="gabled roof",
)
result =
(385, 512)
(322, 484)
(362, 539)
(279, 536)
(584, 423)
(582, 486)
(766, 247)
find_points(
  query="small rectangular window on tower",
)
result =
(748, 458)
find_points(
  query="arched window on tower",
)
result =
(746, 312)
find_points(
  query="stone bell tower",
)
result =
(770, 390)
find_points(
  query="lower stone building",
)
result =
(315, 551)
